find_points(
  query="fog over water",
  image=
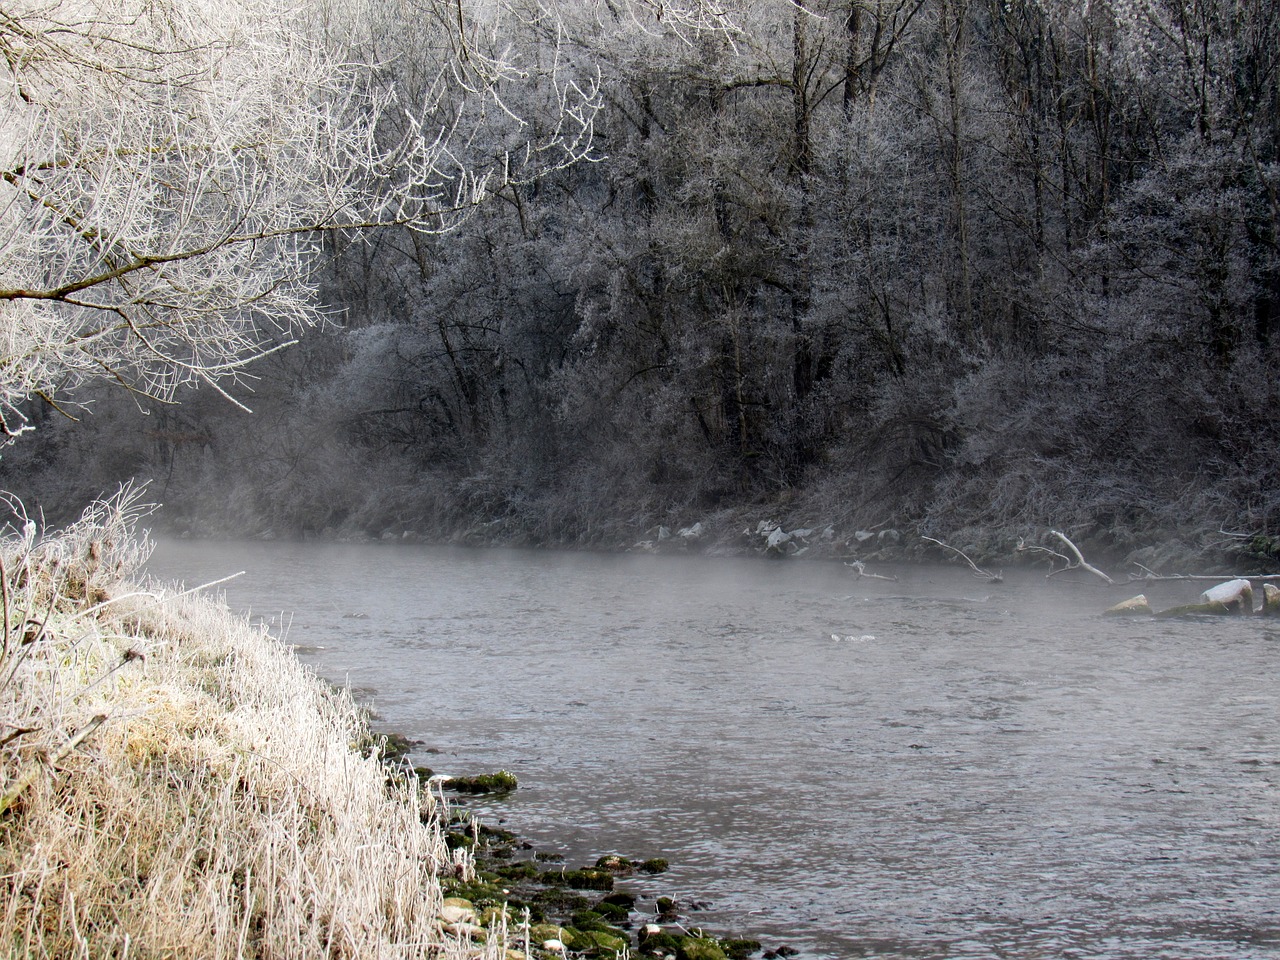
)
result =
(936, 767)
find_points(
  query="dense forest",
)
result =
(961, 268)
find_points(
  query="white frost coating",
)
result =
(167, 168)
(1238, 591)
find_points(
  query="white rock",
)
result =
(555, 946)
(1235, 594)
(455, 914)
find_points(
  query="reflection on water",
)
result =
(930, 768)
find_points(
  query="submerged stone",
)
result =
(1133, 607)
(1213, 609)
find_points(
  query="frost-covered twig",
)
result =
(1080, 562)
(977, 570)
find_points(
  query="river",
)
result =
(934, 767)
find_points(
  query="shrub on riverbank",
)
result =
(176, 784)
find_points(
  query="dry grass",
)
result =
(223, 808)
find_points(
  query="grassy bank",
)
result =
(176, 784)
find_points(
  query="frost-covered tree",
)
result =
(168, 169)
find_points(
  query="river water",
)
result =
(934, 767)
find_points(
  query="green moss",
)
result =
(500, 782)
(579, 879)
(654, 865)
(740, 949)
(604, 942)
(517, 871)
(700, 948)
(541, 932)
(659, 943)
(559, 900)
(613, 912)
(496, 834)
(1213, 608)
(479, 892)
(615, 864)
(455, 840)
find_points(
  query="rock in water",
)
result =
(1235, 595)
(1270, 599)
(1133, 607)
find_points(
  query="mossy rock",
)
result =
(394, 747)
(517, 871)
(492, 916)
(613, 912)
(603, 941)
(740, 949)
(541, 932)
(700, 948)
(588, 920)
(500, 782)
(619, 898)
(1213, 608)
(1133, 607)
(587, 879)
(477, 892)
(456, 840)
(561, 900)
(659, 943)
(654, 865)
(617, 865)
(496, 834)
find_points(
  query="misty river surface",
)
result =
(935, 767)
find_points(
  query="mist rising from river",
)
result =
(933, 767)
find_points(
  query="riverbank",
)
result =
(176, 784)
(614, 906)
(798, 529)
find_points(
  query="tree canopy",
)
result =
(894, 262)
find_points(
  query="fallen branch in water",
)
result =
(977, 570)
(1080, 563)
(1150, 576)
(861, 570)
